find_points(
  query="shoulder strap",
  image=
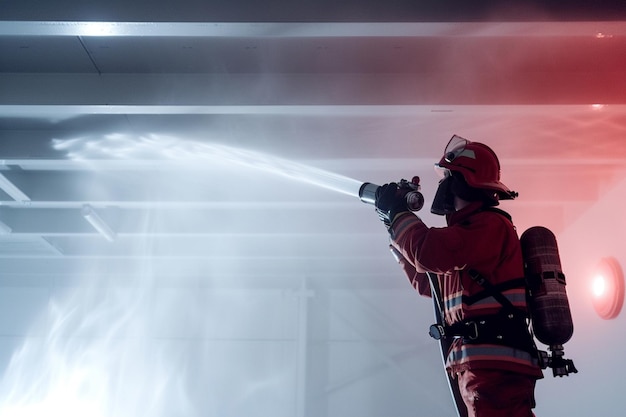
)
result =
(499, 211)
(493, 291)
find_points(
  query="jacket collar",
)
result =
(462, 215)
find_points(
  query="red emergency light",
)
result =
(608, 289)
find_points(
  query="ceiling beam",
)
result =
(308, 30)
(300, 94)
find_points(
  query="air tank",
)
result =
(548, 303)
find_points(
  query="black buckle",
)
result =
(437, 331)
(470, 331)
(473, 327)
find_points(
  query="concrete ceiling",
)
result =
(195, 132)
(371, 101)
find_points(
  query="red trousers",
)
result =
(495, 393)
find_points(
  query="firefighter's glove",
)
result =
(390, 200)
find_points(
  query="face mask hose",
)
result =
(414, 198)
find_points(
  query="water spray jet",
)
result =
(160, 147)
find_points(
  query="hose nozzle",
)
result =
(367, 193)
(414, 199)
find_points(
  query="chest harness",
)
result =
(508, 327)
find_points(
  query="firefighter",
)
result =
(476, 262)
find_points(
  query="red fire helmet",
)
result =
(478, 164)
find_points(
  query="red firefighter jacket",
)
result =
(477, 239)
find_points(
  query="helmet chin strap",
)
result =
(459, 203)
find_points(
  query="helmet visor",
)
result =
(455, 147)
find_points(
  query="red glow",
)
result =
(608, 289)
(599, 285)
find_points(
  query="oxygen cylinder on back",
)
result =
(548, 304)
(547, 300)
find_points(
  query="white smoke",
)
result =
(100, 349)
(96, 357)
